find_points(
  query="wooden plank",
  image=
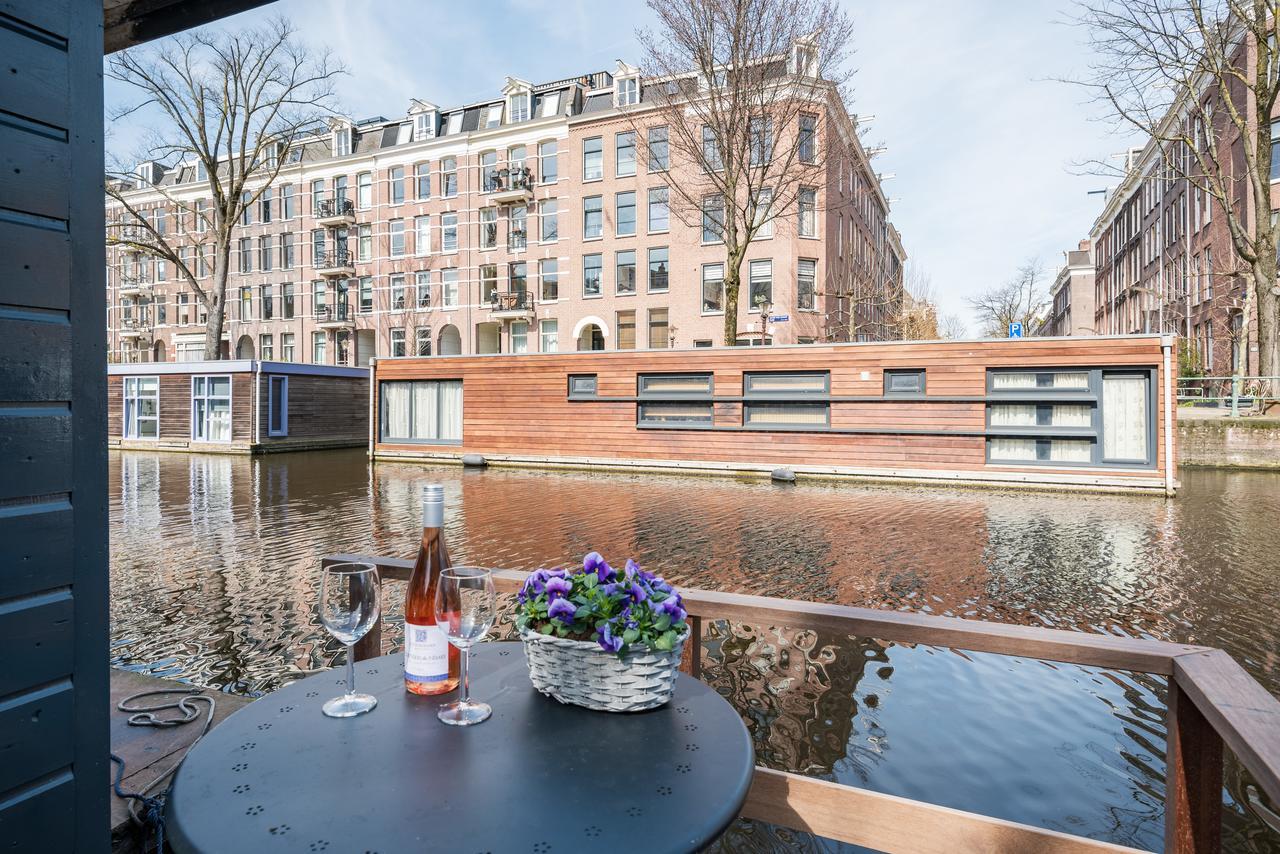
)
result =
(36, 266)
(36, 449)
(35, 733)
(893, 824)
(1193, 779)
(35, 174)
(35, 634)
(1240, 710)
(46, 806)
(39, 554)
(35, 77)
(35, 358)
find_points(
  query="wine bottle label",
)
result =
(426, 653)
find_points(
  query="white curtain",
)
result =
(1124, 417)
(450, 410)
(1072, 415)
(1012, 449)
(1006, 380)
(424, 411)
(787, 413)
(1078, 380)
(1013, 415)
(396, 398)
(1069, 450)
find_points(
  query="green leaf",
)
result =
(670, 638)
(630, 635)
(662, 623)
(562, 631)
(547, 629)
(590, 581)
(664, 642)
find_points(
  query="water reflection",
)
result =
(213, 579)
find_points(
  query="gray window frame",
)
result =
(645, 398)
(921, 385)
(800, 397)
(578, 387)
(382, 413)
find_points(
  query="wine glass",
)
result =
(350, 595)
(465, 604)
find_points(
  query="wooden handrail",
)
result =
(1212, 701)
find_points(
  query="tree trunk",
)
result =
(732, 282)
(215, 303)
(1268, 304)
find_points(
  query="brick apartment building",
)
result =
(532, 222)
(1071, 298)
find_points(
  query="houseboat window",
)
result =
(818, 382)
(904, 381)
(211, 409)
(677, 399)
(278, 406)
(780, 400)
(673, 384)
(1125, 421)
(672, 414)
(1031, 380)
(141, 407)
(582, 385)
(422, 411)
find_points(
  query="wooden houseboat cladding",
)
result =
(238, 406)
(1088, 412)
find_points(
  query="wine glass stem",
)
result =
(466, 683)
(351, 669)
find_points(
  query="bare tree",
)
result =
(732, 80)
(1200, 78)
(232, 106)
(951, 327)
(917, 317)
(1022, 299)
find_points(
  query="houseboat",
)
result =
(1090, 413)
(236, 407)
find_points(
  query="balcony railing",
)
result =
(517, 302)
(509, 185)
(1213, 702)
(134, 285)
(333, 209)
(334, 261)
(517, 239)
(340, 313)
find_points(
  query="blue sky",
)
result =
(980, 137)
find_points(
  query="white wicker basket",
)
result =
(581, 673)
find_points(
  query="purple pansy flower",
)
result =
(558, 587)
(637, 593)
(671, 606)
(595, 563)
(608, 641)
(563, 610)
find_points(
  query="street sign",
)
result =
(1015, 330)
(779, 318)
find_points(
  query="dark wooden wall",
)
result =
(321, 408)
(53, 521)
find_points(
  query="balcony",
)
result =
(132, 286)
(518, 304)
(137, 329)
(335, 316)
(338, 264)
(517, 240)
(510, 186)
(335, 212)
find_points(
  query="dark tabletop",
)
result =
(536, 777)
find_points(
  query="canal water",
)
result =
(214, 576)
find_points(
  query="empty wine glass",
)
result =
(350, 602)
(464, 606)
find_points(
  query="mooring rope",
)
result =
(145, 809)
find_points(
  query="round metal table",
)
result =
(536, 777)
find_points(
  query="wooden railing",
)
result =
(1212, 701)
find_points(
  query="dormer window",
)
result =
(519, 107)
(424, 126)
(550, 104)
(628, 92)
(805, 59)
(455, 122)
(494, 117)
(341, 140)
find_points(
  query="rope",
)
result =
(145, 809)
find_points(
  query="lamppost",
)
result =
(766, 307)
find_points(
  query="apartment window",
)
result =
(286, 346)
(422, 235)
(489, 171)
(449, 287)
(246, 303)
(549, 274)
(286, 251)
(318, 348)
(713, 219)
(710, 150)
(364, 190)
(712, 288)
(674, 400)
(760, 133)
(422, 181)
(184, 310)
(517, 277)
(520, 336)
(593, 158)
(592, 217)
(422, 411)
(900, 381)
(422, 286)
(319, 297)
(625, 205)
(449, 177)
(342, 142)
(548, 162)
(520, 107)
(591, 266)
(364, 243)
(493, 116)
(141, 408)
(317, 195)
(548, 332)
(268, 299)
(202, 220)
(161, 313)
(808, 138)
(246, 209)
(517, 228)
(246, 255)
(582, 385)
(396, 182)
(549, 218)
(211, 409)
(266, 261)
(806, 285)
(659, 209)
(396, 230)
(658, 279)
(488, 281)
(264, 206)
(286, 301)
(625, 323)
(366, 294)
(162, 272)
(626, 272)
(761, 215)
(317, 246)
(628, 91)
(625, 148)
(449, 232)
(397, 293)
(761, 290)
(787, 401)
(422, 340)
(659, 154)
(659, 328)
(266, 348)
(277, 406)
(488, 228)
(808, 204)
(397, 342)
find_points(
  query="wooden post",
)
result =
(1193, 793)
(691, 657)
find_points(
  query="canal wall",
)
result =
(1245, 443)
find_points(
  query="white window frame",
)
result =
(195, 437)
(283, 429)
(135, 398)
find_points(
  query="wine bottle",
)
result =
(430, 661)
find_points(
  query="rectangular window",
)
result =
(674, 400)
(287, 209)
(592, 217)
(318, 348)
(422, 411)
(246, 255)
(317, 195)
(808, 138)
(593, 158)
(787, 400)
(659, 156)
(659, 329)
(550, 220)
(517, 228)
(760, 132)
(548, 331)
(397, 342)
(710, 150)
(626, 154)
(397, 293)
(286, 251)
(366, 295)
(808, 205)
(712, 288)
(449, 177)
(422, 235)
(364, 190)
(449, 287)
(449, 232)
(246, 209)
(806, 285)
(761, 213)
(396, 231)
(211, 409)
(422, 181)
(549, 274)
(395, 178)
(713, 219)
(1125, 419)
(286, 346)
(582, 385)
(364, 243)
(488, 228)
(904, 381)
(591, 267)
(141, 408)
(626, 326)
(659, 209)
(625, 282)
(625, 216)
(549, 105)
(266, 348)
(761, 290)
(488, 282)
(422, 288)
(277, 406)
(422, 340)
(548, 162)
(658, 270)
(319, 297)
(268, 298)
(246, 303)
(1275, 151)
(266, 259)
(264, 206)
